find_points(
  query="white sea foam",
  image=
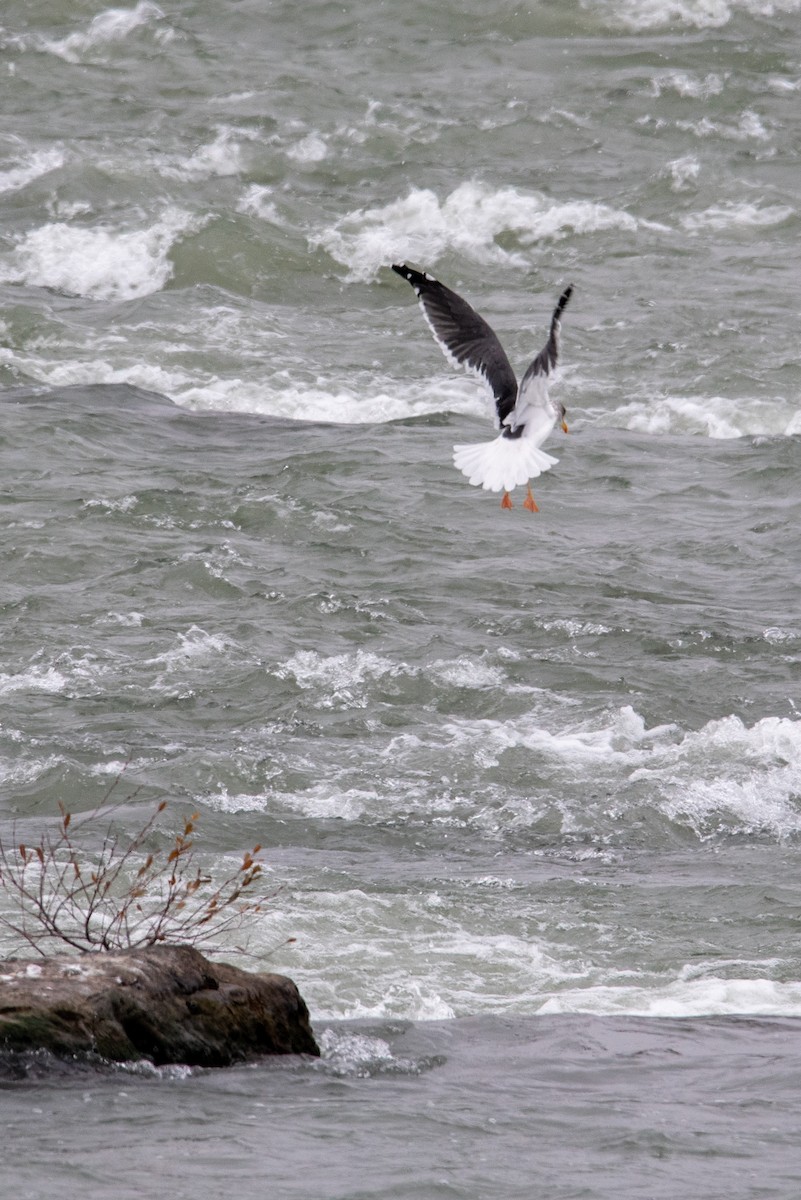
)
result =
(339, 680)
(687, 85)
(276, 395)
(749, 777)
(110, 26)
(131, 619)
(102, 263)
(35, 679)
(743, 215)
(222, 156)
(33, 166)
(749, 127)
(468, 221)
(683, 998)
(121, 504)
(196, 646)
(466, 672)
(310, 149)
(694, 14)
(257, 200)
(330, 403)
(342, 680)
(714, 416)
(74, 372)
(324, 802)
(683, 172)
(21, 772)
(360, 1055)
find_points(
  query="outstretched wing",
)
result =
(548, 357)
(465, 338)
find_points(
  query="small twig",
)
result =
(123, 897)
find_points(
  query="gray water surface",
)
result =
(528, 785)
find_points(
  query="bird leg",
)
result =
(507, 500)
(530, 503)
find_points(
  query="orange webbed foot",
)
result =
(507, 501)
(530, 503)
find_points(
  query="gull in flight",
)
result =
(525, 414)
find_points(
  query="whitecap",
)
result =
(35, 679)
(324, 401)
(683, 172)
(110, 26)
(338, 680)
(257, 201)
(688, 86)
(32, 167)
(196, 647)
(99, 262)
(580, 744)
(748, 776)
(310, 149)
(750, 127)
(681, 998)
(219, 158)
(694, 14)
(714, 416)
(732, 215)
(725, 775)
(224, 801)
(362, 1055)
(324, 802)
(468, 221)
(19, 773)
(467, 672)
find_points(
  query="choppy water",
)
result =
(526, 784)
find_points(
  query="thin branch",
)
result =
(122, 897)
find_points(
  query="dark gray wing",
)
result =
(548, 357)
(465, 337)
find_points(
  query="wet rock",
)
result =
(168, 1004)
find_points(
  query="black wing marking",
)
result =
(465, 338)
(548, 357)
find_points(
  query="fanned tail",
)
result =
(502, 464)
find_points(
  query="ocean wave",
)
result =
(712, 416)
(339, 680)
(32, 166)
(330, 402)
(584, 779)
(221, 157)
(362, 1056)
(342, 680)
(502, 951)
(725, 777)
(643, 15)
(683, 172)
(687, 84)
(376, 401)
(468, 221)
(711, 996)
(749, 128)
(35, 679)
(312, 148)
(97, 262)
(107, 28)
(743, 215)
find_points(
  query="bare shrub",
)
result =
(125, 895)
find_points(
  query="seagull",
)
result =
(525, 415)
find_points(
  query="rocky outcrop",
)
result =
(168, 1004)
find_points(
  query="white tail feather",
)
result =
(502, 464)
